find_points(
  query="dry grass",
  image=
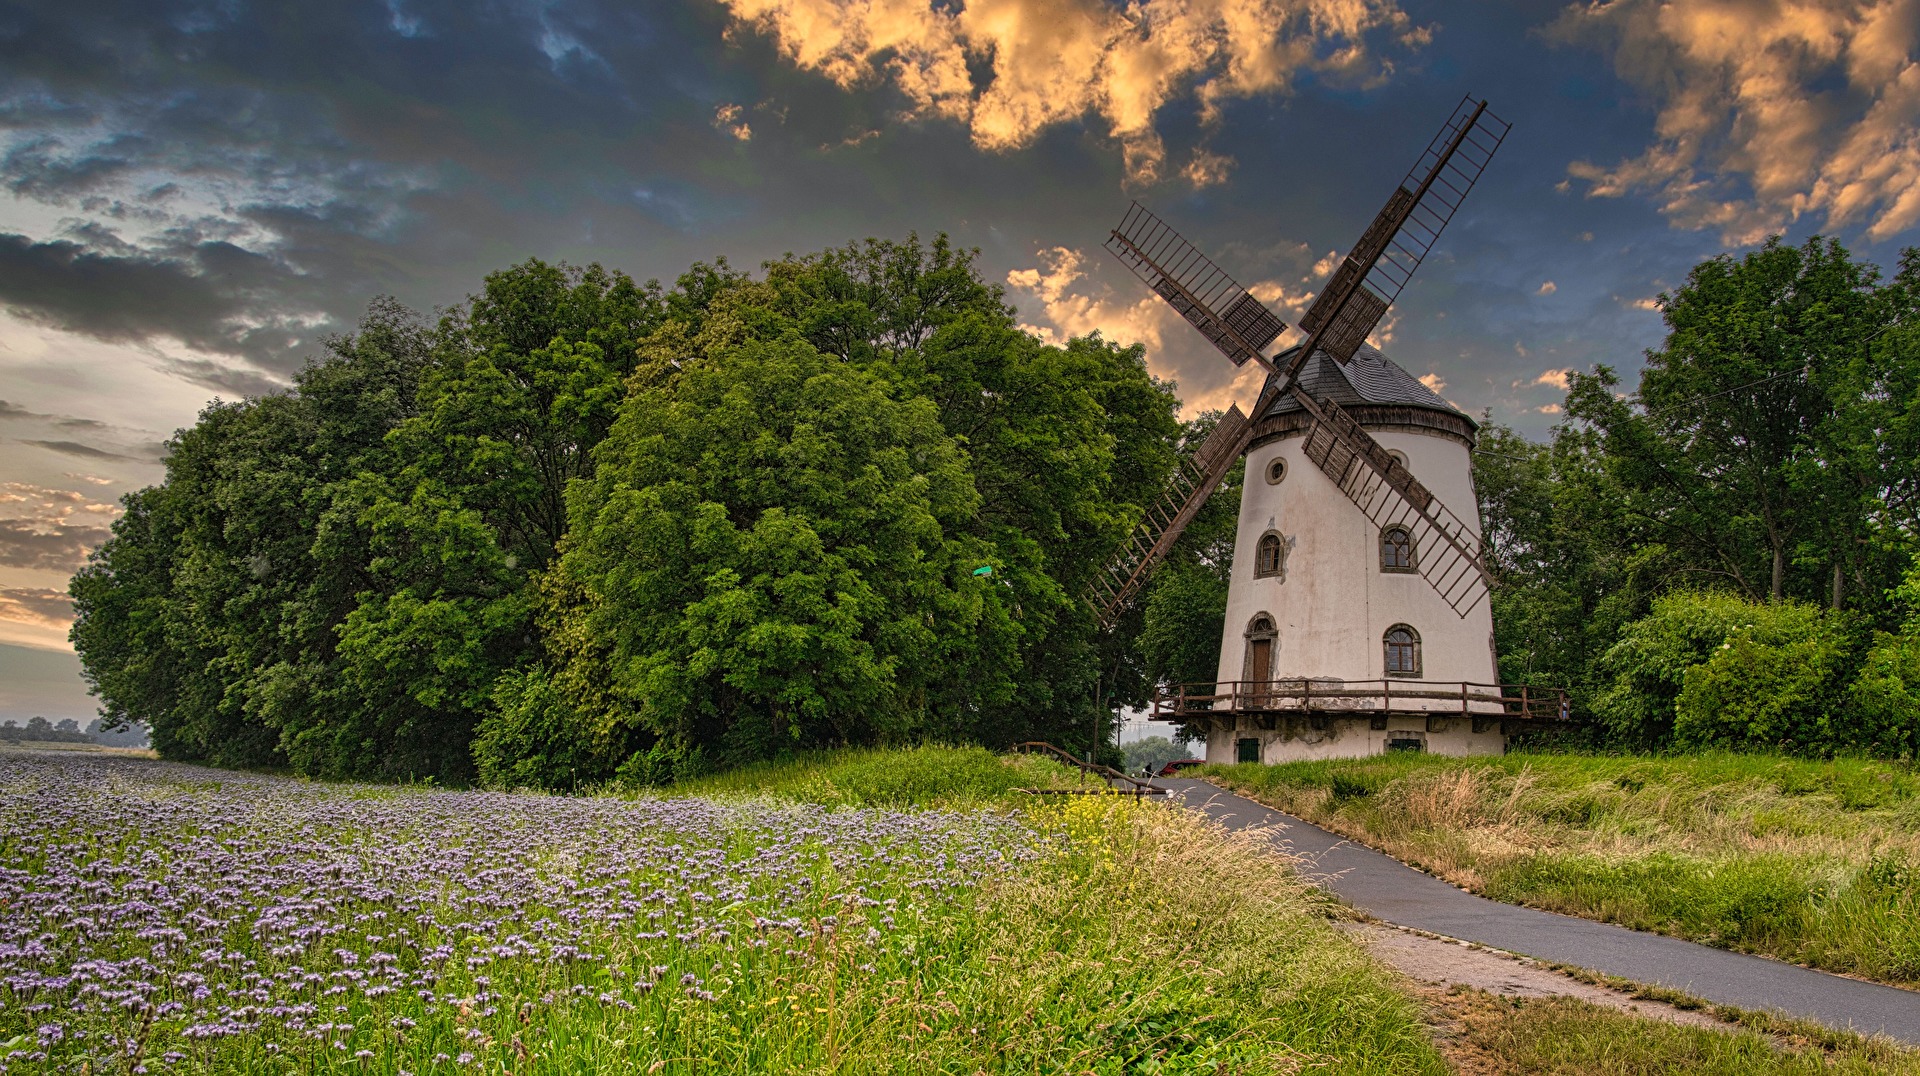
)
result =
(1484, 1035)
(1816, 862)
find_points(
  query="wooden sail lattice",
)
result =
(1226, 314)
(1446, 551)
(1194, 480)
(1377, 269)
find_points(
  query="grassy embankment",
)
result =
(1814, 862)
(189, 920)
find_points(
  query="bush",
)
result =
(1883, 704)
(1775, 682)
(1707, 669)
(534, 739)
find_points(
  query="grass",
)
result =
(930, 776)
(1491, 1036)
(169, 919)
(1813, 862)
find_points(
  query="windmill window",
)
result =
(1270, 557)
(1276, 471)
(1396, 550)
(1402, 645)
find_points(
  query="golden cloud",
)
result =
(1815, 104)
(1047, 62)
(36, 606)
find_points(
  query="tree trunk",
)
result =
(1839, 585)
(1779, 571)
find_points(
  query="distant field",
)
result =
(170, 919)
(1815, 862)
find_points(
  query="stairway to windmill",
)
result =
(1357, 612)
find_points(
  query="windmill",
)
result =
(1364, 286)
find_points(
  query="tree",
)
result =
(771, 553)
(1153, 753)
(1729, 454)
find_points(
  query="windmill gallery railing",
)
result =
(1507, 702)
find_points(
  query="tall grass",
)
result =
(1815, 862)
(881, 777)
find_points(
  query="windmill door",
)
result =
(1259, 670)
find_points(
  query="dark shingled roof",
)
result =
(1370, 378)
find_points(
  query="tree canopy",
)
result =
(582, 527)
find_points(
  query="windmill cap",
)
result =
(1369, 378)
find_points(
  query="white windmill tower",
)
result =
(1355, 614)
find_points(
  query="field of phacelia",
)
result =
(164, 918)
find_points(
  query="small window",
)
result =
(1396, 550)
(1246, 750)
(1399, 457)
(1405, 741)
(1402, 645)
(1276, 471)
(1271, 555)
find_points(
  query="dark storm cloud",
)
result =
(85, 452)
(116, 297)
(28, 544)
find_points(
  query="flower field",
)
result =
(161, 918)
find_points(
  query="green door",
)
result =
(1249, 750)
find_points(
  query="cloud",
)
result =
(1645, 304)
(1174, 351)
(1434, 382)
(1010, 69)
(727, 118)
(1555, 378)
(1548, 409)
(85, 452)
(56, 548)
(1547, 287)
(37, 606)
(1768, 110)
(1074, 312)
(1207, 169)
(208, 296)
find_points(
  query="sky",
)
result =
(195, 193)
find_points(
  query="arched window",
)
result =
(1270, 557)
(1396, 549)
(1402, 645)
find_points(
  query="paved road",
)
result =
(1388, 889)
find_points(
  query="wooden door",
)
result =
(1259, 670)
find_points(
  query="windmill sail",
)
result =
(1193, 481)
(1378, 267)
(1446, 551)
(1229, 317)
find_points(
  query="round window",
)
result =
(1399, 457)
(1276, 471)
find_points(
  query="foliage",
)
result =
(581, 528)
(1810, 861)
(1715, 668)
(1153, 753)
(1771, 452)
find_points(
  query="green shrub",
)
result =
(1648, 666)
(1775, 681)
(534, 739)
(1707, 669)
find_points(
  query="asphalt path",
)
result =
(1387, 889)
